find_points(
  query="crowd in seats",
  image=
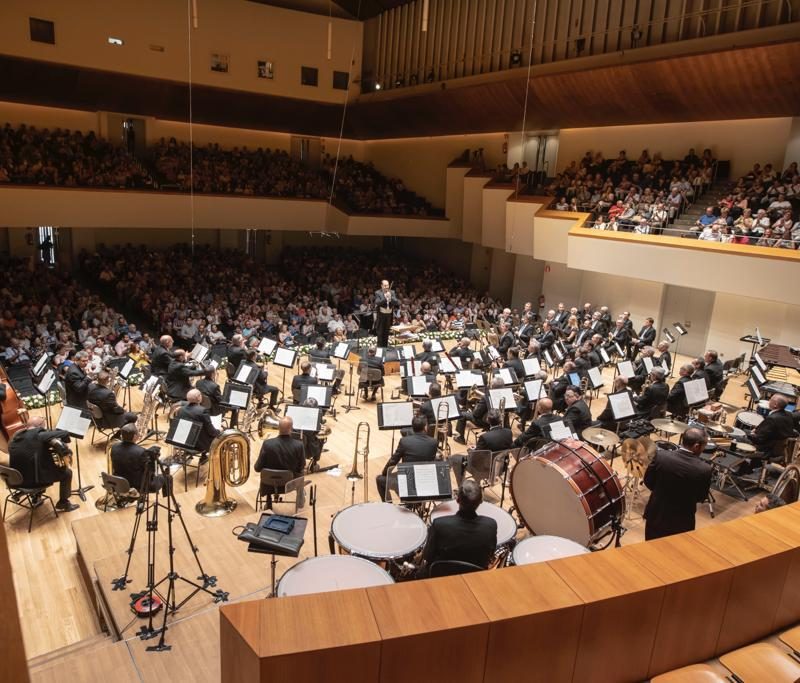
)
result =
(761, 208)
(642, 195)
(64, 158)
(45, 309)
(211, 295)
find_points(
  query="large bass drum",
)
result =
(566, 489)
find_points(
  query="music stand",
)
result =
(508, 375)
(183, 433)
(755, 391)
(469, 378)
(648, 364)
(436, 345)
(407, 351)
(423, 482)
(595, 378)
(531, 366)
(266, 346)
(199, 352)
(625, 369)
(394, 416)
(323, 372)
(41, 363)
(495, 396)
(621, 405)
(681, 330)
(409, 368)
(304, 418)
(417, 386)
(236, 396)
(696, 392)
(319, 392)
(447, 365)
(76, 423)
(43, 387)
(757, 374)
(533, 389)
(246, 373)
(285, 358)
(277, 549)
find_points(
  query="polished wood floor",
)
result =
(56, 607)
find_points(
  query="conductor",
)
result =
(385, 302)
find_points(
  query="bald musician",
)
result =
(385, 302)
(162, 356)
(282, 452)
(194, 411)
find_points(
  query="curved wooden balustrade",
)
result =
(618, 615)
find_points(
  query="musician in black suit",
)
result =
(162, 356)
(584, 333)
(577, 414)
(678, 481)
(505, 340)
(664, 357)
(477, 415)
(463, 352)
(537, 429)
(113, 414)
(653, 401)
(373, 362)
(699, 366)
(497, 437)
(301, 380)
(426, 409)
(237, 353)
(385, 302)
(261, 387)
(282, 452)
(416, 447)
(525, 331)
(179, 374)
(210, 390)
(515, 363)
(646, 337)
(640, 369)
(428, 356)
(547, 338)
(562, 316)
(77, 382)
(676, 399)
(194, 411)
(606, 417)
(770, 436)
(130, 461)
(29, 452)
(714, 371)
(560, 384)
(581, 362)
(465, 536)
(319, 354)
(619, 336)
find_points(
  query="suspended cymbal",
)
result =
(745, 447)
(600, 437)
(669, 425)
(718, 428)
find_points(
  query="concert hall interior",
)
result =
(381, 340)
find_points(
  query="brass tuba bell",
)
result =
(228, 463)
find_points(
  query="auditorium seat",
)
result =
(696, 673)
(762, 662)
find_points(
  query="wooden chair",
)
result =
(281, 482)
(97, 423)
(118, 492)
(25, 497)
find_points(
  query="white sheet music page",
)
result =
(425, 480)
(419, 385)
(242, 374)
(182, 431)
(595, 377)
(531, 366)
(267, 346)
(696, 391)
(648, 363)
(533, 388)
(71, 420)
(397, 414)
(625, 368)
(216, 420)
(126, 369)
(402, 485)
(284, 357)
(621, 405)
(239, 398)
(318, 393)
(47, 381)
(559, 431)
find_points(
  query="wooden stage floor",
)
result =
(61, 563)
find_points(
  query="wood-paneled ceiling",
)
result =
(744, 83)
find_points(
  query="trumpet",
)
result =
(362, 450)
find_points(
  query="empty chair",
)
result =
(27, 498)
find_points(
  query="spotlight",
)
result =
(516, 58)
(400, 81)
(377, 86)
(636, 35)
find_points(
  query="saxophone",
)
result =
(144, 420)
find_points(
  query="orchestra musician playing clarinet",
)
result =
(385, 302)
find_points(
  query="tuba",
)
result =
(228, 463)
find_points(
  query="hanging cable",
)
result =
(192, 23)
(527, 90)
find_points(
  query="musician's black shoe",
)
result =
(65, 506)
(460, 439)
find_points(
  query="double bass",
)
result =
(14, 414)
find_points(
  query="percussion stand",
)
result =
(273, 563)
(313, 500)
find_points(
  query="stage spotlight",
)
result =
(516, 58)
(377, 86)
(400, 81)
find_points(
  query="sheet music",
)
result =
(559, 352)
(182, 431)
(126, 369)
(397, 414)
(216, 420)
(548, 358)
(436, 345)
(305, 419)
(150, 385)
(40, 364)
(648, 363)
(72, 420)
(320, 394)
(758, 374)
(323, 371)
(495, 395)
(214, 363)
(426, 482)
(407, 352)
(47, 382)
(595, 377)
(199, 352)
(621, 405)
(285, 357)
(238, 398)
(619, 349)
(380, 352)
(467, 378)
(341, 350)
(243, 373)
(507, 375)
(410, 368)
(533, 389)
(559, 431)
(266, 346)
(531, 366)
(760, 361)
(419, 385)
(755, 391)
(456, 360)
(446, 365)
(625, 368)
(604, 355)
(453, 412)
(696, 391)
(494, 354)
(402, 485)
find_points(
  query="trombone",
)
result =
(441, 427)
(362, 450)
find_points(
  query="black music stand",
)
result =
(285, 358)
(322, 394)
(424, 482)
(395, 415)
(236, 397)
(304, 418)
(44, 387)
(274, 547)
(76, 422)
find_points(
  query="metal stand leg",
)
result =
(81, 490)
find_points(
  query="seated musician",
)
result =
(534, 350)
(426, 409)
(194, 411)
(653, 401)
(260, 387)
(162, 356)
(237, 353)
(463, 352)
(427, 355)
(525, 331)
(416, 447)
(179, 376)
(77, 382)
(584, 333)
(496, 438)
(664, 357)
(506, 338)
(372, 361)
(465, 536)
(547, 338)
(606, 417)
(645, 338)
(515, 363)
(577, 413)
(560, 384)
(477, 415)
(594, 357)
(282, 452)
(676, 399)
(130, 461)
(319, 354)
(714, 372)
(770, 436)
(114, 415)
(537, 429)
(619, 336)
(301, 380)
(29, 453)
(581, 362)
(640, 369)
(699, 372)
(210, 390)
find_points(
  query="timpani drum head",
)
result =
(748, 419)
(506, 525)
(542, 548)
(547, 502)
(328, 573)
(378, 531)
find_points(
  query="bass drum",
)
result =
(574, 495)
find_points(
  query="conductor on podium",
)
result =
(385, 302)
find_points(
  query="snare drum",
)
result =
(378, 531)
(328, 573)
(748, 420)
(506, 525)
(574, 496)
(542, 548)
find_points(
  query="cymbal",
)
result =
(669, 425)
(745, 447)
(600, 437)
(718, 428)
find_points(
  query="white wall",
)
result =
(48, 117)
(472, 214)
(519, 226)
(793, 146)
(742, 142)
(528, 276)
(493, 226)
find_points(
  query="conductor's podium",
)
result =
(622, 614)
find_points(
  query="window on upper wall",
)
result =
(309, 75)
(42, 31)
(341, 79)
